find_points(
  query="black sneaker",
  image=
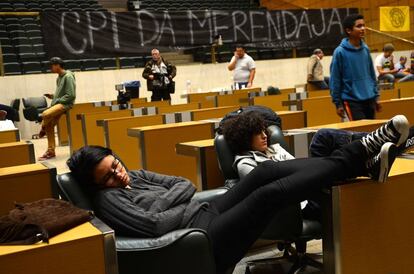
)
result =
(379, 166)
(394, 131)
(409, 142)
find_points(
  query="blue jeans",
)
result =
(327, 140)
(409, 77)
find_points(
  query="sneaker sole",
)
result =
(406, 130)
(387, 150)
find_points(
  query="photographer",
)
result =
(159, 74)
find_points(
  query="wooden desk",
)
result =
(91, 132)
(368, 226)
(17, 153)
(116, 137)
(152, 104)
(209, 175)
(292, 119)
(239, 99)
(75, 126)
(9, 136)
(405, 89)
(360, 126)
(210, 113)
(85, 249)
(26, 183)
(178, 108)
(62, 130)
(273, 102)
(390, 108)
(320, 111)
(156, 147)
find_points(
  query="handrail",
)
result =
(23, 13)
(390, 35)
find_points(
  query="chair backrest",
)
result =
(15, 104)
(36, 102)
(226, 156)
(70, 190)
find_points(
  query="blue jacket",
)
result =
(352, 74)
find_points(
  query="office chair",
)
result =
(293, 229)
(15, 105)
(33, 108)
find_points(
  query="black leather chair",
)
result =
(33, 108)
(15, 104)
(184, 251)
(289, 227)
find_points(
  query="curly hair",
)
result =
(239, 131)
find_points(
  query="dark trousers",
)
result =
(236, 220)
(360, 110)
(159, 94)
(321, 84)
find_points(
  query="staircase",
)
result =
(178, 58)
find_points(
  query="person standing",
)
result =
(385, 65)
(159, 74)
(353, 82)
(315, 70)
(62, 100)
(243, 67)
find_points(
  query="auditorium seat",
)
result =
(10, 58)
(7, 49)
(126, 62)
(73, 65)
(32, 67)
(108, 63)
(139, 62)
(12, 69)
(90, 64)
(36, 40)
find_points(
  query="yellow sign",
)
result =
(395, 18)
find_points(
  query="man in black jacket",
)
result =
(159, 74)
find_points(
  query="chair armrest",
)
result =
(124, 243)
(185, 251)
(209, 195)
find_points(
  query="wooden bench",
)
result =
(16, 153)
(178, 108)
(156, 147)
(273, 102)
(320, 111)
(8, 136)
(26, 183)
(87, 248)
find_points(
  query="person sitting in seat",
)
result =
(315, 70)
(145, 204)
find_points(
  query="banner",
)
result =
(108, 34)
(395, 18)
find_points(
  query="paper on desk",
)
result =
(6, 125)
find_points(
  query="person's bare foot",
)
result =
(3, 115)
(47, 155)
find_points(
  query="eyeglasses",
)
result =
(116, 168)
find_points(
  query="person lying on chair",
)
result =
(146, 204)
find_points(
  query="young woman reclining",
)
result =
(145, 204)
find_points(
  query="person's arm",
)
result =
(232, 64)
(126, 217)
(147, 73)
(311, 65)
(335, 83)
(70, 91)
(251, 77)
(378, 106)
(245, 166)
(173, 71)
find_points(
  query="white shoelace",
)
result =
(376, 139)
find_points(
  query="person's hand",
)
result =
(309, 77)
(151, 77)
(235, 55)
(378, 107)
(249, 85)
(341, 112)
(48, 95)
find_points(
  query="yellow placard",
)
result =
(395, 18)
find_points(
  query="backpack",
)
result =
(270, 117)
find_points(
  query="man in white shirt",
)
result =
(385, 65)
(243, 67)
